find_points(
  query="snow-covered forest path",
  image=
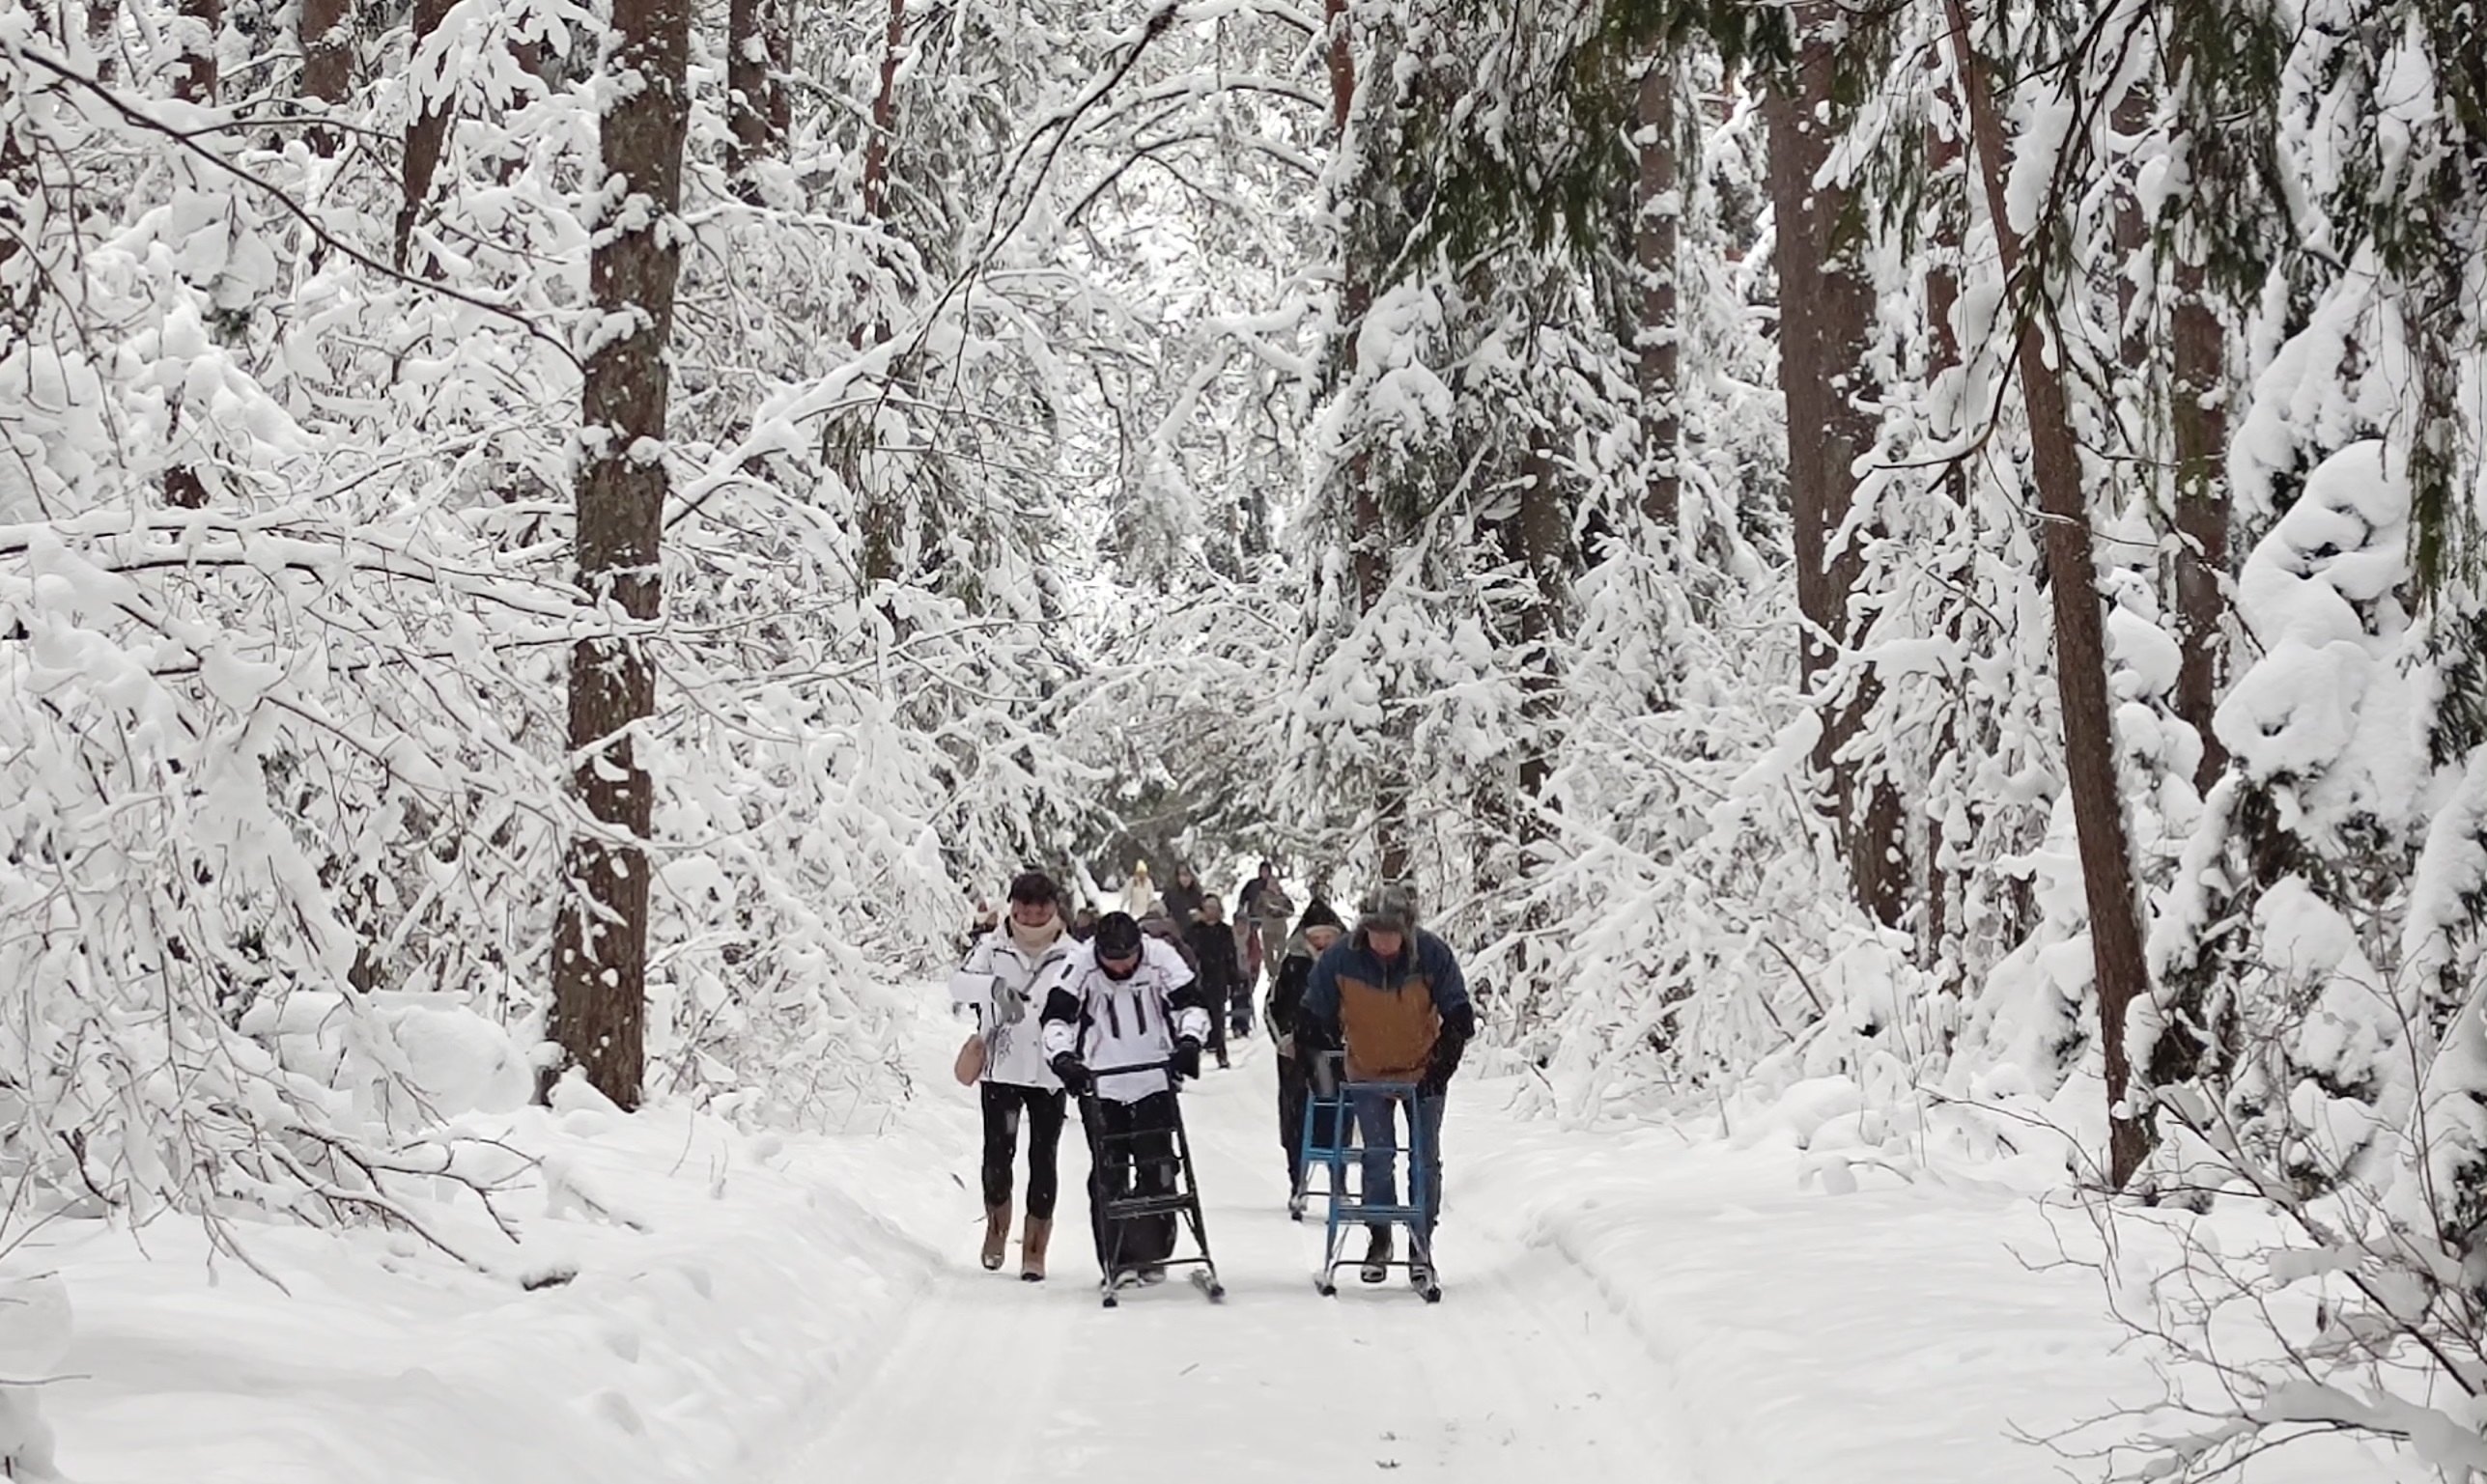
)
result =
(1520, 1373)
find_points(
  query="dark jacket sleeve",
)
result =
(1286, 995)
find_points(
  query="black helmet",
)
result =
(1118, 935)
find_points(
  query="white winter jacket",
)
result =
(1001, 982)
(1110, 1022)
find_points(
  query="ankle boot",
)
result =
(997, 1236)
(1032, 1250)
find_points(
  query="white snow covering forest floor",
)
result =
(1644, 1304)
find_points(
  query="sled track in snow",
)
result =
(1522, 1373)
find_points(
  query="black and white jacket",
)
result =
(1111, 1023)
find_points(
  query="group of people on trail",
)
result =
(1120, 1017)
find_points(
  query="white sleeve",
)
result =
(1057, 997)
(971, 985)
(1192, 1020)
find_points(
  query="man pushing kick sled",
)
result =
(1123, 1023)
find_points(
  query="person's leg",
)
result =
(1292, 1096)
(1000, 1104)
(1429, 1113)
(1103, 1175)
(1155, 1168)
(1239, 1006)
(1217, 1035)
(1044, 1148)
(1374, 1119)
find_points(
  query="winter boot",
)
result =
(1032, 1250)
(997, 1236)
(1377, 1256)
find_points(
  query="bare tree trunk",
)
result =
(327, 38)
(1946, 884)
(1536, 538)
(196, 24)
(426, 134)
(884, 116)
(1825, 313)
(599, 958)
(1660, 210)
(2198, 428)
(2081, 646)
(755, 87)
(104, 38)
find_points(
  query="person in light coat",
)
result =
(1124, 999)
(998, 983)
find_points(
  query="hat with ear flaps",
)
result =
(1387, 908)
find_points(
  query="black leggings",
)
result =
(1002, 1102)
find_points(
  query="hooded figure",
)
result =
(1140, 893)
(1314, 931)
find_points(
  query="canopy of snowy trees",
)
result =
(1933, 545)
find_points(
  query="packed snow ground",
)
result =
(1640, 1305)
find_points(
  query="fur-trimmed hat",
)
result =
(1387, 908)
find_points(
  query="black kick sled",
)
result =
(1141, 1184)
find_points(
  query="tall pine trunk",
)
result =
(427, 134)
(2198, 434)
(600, 945)
(1947, 230)
(754, 88)
(1825, 313)
(326, 36)
(1660, 212)
(196, 24)
(2080, 645)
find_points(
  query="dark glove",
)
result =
(1075, 1075)
(1186, 1060)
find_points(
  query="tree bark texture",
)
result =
(196, 24)
(2080, 649)
(2198, 435)
(1536, 538)
(884, 116)
(599, 946)
(1825, 315)
(1654, 243)
(1947, 230)
(104, 38)
(327, 34)
(427, 134)
(755, 32)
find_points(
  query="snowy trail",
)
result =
(1521, 1368)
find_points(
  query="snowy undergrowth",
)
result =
(666, 1296)
(1919, 1324)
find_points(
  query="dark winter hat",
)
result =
(1390, 908)
(1036, 888)
(1318, 914)
(1118, 935)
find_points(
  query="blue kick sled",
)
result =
(1331, 1100)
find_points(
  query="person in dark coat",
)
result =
(1393, 997)
(1314, 931)
(1221, 970)
(1181, 900)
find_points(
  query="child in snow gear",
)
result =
(1393, 998)
(1122, 1022)
(998, 981)
(1314, 931)
(1213, 956)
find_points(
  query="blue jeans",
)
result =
(1376, 1121)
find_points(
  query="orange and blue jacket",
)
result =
(1387, 1012)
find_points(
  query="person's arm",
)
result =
(970, 986)
(1450, 1002)
(1316, 1019)
(1186, 1008)
(1060, 1021)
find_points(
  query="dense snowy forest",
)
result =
(1932, 544)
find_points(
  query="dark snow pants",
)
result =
(1141, 1164)
(1003, 1105)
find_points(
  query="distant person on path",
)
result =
(1393, 996)
(1314, 931)
(997, 982)
(1183, 898)
(1163, 928)
(1120, 1000)
(1084, 924)
(1262, 910)
(1140, 893)
(1222, 981)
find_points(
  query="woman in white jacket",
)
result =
(997, 982)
